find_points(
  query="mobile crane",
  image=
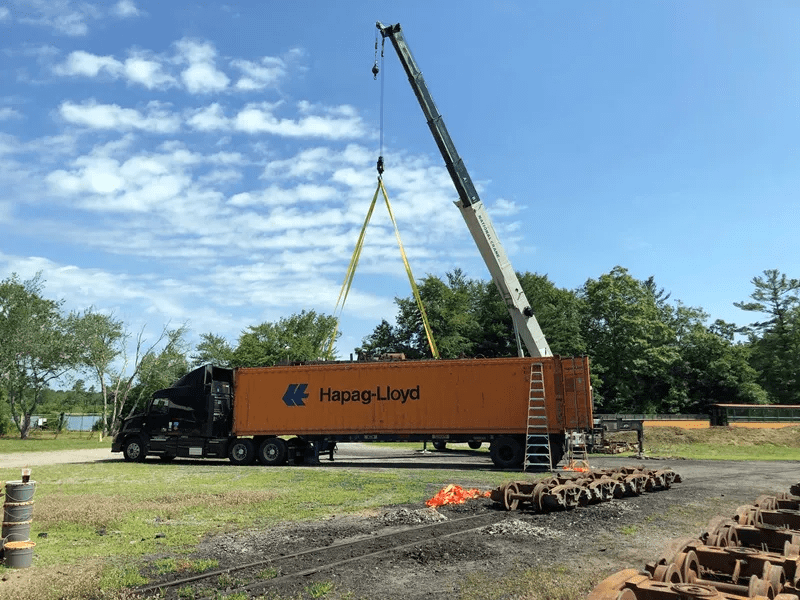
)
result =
(470, 205)
(523, 407)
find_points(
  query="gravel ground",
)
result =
(590, 543)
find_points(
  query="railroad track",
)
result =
(256, 577)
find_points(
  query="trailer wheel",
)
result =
(242, 452)
(506, 452)
(440, 445)
(272, 451)
(475, 445)
(134, 450)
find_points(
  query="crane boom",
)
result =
(470, 205)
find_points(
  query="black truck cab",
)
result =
(191, 418)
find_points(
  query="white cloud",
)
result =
(112, 116)
(6, 113)
(8, 144)
(125, 9)
(139, 68)
(6, 212)
(204, 78)
(155, 183)
(202, 75)
(210, 118)
(259, 118)
(147, 72)
(505, 208)
(69, 18)
(318, 162)
(258, 75)
(88, 65)
(335, 123)
(66, 16)
(275, 195)
(4, 13)
(193, 64)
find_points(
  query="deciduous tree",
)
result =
(776, 339)
(632, 348)
(214, 349)
(38, 346)
(102, 341)
(154, 365)
(299, 337)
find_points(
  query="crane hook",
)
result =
(375, 70)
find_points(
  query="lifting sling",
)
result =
(351, 271)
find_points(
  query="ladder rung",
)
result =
(537, 438)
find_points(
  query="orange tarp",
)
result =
(455, 494)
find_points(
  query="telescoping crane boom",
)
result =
(472, 209)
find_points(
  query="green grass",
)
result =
(720, 443)
(319, 589)
(169, 565)
(113, 514)
(531, 584)
(41, 441)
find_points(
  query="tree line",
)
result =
(649, 354)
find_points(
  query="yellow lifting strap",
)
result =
(351, 271)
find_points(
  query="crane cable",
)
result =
(351, 268)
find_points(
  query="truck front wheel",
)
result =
(506, 452)
(272, 452)
(242, 452)
(134, 450)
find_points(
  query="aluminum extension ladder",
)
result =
(537, 437)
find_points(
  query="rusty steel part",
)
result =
(784, 500)
(631, 584)
(754, 556)
(727, 532)
(732, 564)
(564, 492)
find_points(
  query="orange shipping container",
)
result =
(443, 397)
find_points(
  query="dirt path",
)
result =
(59, 457)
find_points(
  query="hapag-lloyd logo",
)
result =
(381, 393)
(297, 392)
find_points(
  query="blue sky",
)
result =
(212, 163)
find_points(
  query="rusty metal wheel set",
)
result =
(753, 556)
(563, 492)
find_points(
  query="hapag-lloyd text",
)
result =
(382, 393)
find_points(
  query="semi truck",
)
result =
(289, 414)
